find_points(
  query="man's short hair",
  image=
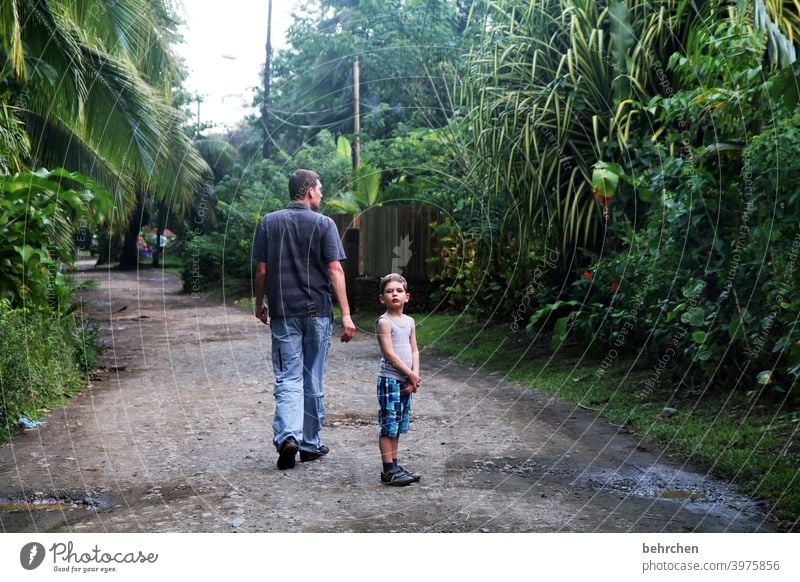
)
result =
(394, 277)
(300, 182)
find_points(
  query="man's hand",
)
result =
(349, 328)
(262, 313)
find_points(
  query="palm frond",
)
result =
(96, 82)
(11, 33)
(780, 20)
(553, 89)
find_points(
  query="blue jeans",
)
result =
(299, 348)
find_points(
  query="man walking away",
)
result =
(299, 254)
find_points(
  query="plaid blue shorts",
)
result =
(395, 413)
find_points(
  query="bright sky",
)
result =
(225, 51)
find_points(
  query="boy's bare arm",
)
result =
(385, 342)
(415, 354)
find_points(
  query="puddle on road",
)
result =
(56, 503)
(35, 506)
(655, 482)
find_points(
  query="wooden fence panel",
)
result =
(393, 238)
(397, 239)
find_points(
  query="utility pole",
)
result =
(356, 116)
(267, 74)
(197, 127)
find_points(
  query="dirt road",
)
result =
(175, 435)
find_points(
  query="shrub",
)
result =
(47, 361)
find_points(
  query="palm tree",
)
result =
(554, 91)
(90, 81)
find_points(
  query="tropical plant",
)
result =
(48, 360)
(780, 20)
(40, 215)
(362, 189)
(707, 281)
(90, 83)
(559, 85)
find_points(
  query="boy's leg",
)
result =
(388, 447)
(404, 418)
(388, 419)
(388, 440)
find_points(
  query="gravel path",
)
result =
(174, 434)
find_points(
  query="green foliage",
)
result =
(14, 142)
(418, 163)
(93, 80)
(219, 248)
(456, 257)
(321, 154)
(707, 285)
(40, 214)
(557, 86)
(689, 158)
(407, 53)
(48, 360)
(552, 90)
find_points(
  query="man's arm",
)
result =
(261, 309)
(336, 275)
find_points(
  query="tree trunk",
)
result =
(157, 248)
(129, 259)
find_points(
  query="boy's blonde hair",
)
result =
(397, 277)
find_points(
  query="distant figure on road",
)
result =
(398, 376)
(298, 253)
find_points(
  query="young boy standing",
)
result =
(398, 376)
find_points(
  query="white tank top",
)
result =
(401, 344)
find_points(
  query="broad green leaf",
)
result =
(343, 148)
(560, 331)
(695, 316)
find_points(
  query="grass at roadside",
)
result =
(750, 441)
(48, 361)
(235, 292)
(171, 263)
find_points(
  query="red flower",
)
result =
(587, 275)
(602, 197)
(615, 286)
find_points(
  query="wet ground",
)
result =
(174, 434)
